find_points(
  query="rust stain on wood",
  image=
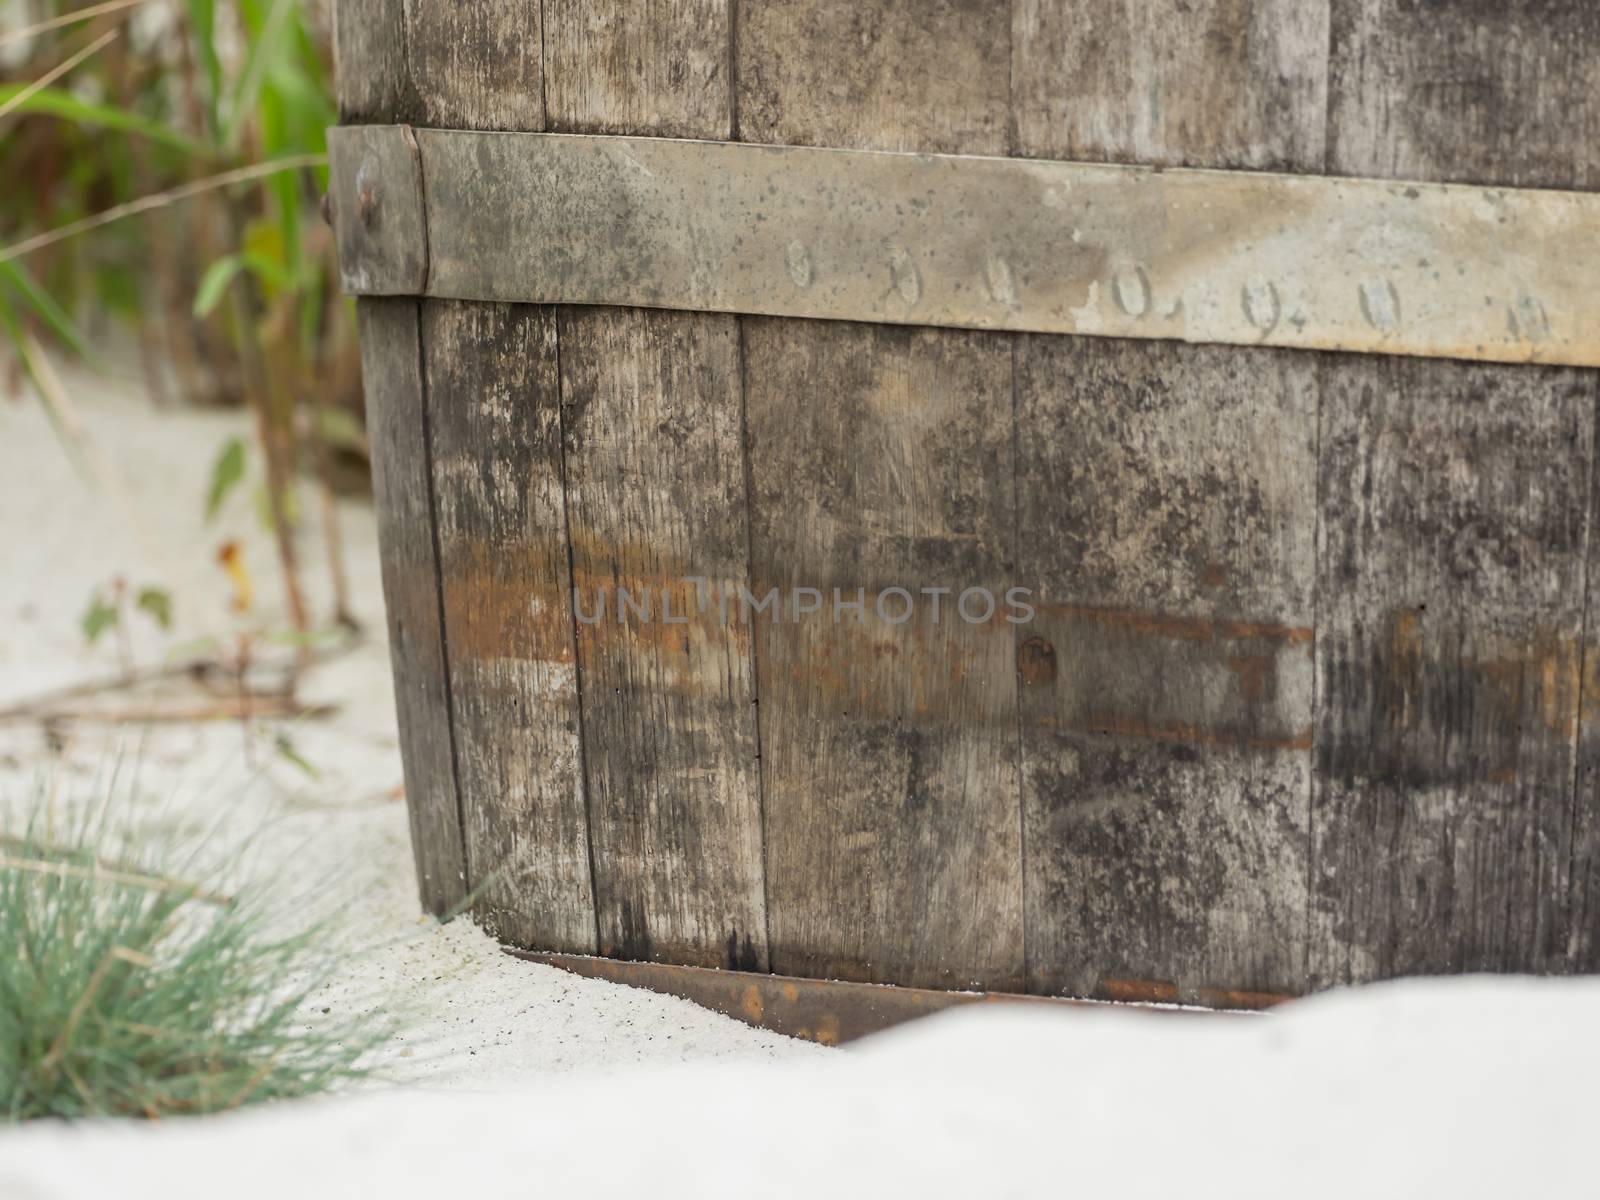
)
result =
(1036, 662)
(1182, 733)
(1167, 677)
(931, 663)
(1170, 625)
(1421, 680)
(502, 614)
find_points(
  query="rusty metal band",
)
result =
(1233, 257)
(832, 1011)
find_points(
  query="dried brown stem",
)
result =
(296, 162)
(248, 707)
(151, 883)
(44, 852)
(71, 18)
(55, 73)
(244, 298)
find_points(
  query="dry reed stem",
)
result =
(294, 162)
(55, 73)
(97, 873)
(71, 18)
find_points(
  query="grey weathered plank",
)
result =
(1451, 590)
(369, 46)
(881, 457)
(1166, 506)
(889, 75)
(477, 65)
(374, 85)
(1204, 83)
(1167, 515)
(638, 66)
(1453, 647)
(391, 363)
(1583, 914)
(495, 418)
(431, 62)
(655, 493)
(656, 484)
(1474, 91)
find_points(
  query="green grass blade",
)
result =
(46, 309)
(56, 102)
(265, 46)
(203, 27)
(12, 326)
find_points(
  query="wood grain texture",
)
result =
(391, 364)
(373, 77)
(495, 417)
(1470, 91)
(655, 474)
(1167, 511)
(1449, 834)
(655, 67)
(1455, 510)
(890, 75)
(1583, 906)
(476, 65)
(1198, 83)
(882, 457)
(655, 493)
(1167, 516)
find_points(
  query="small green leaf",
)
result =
(287, 750)
(99, 618)
(214, 283)
(225, 475)
(158, 603)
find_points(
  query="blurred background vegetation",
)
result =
(163, 173)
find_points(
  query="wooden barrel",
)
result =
(1303, 693)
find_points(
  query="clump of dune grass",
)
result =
(131, 988)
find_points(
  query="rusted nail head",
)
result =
(366, 203)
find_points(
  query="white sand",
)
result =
(516, 1080)
(1422, 1090)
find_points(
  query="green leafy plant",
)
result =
(175, 156)
(103, 614)
(131, 988)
